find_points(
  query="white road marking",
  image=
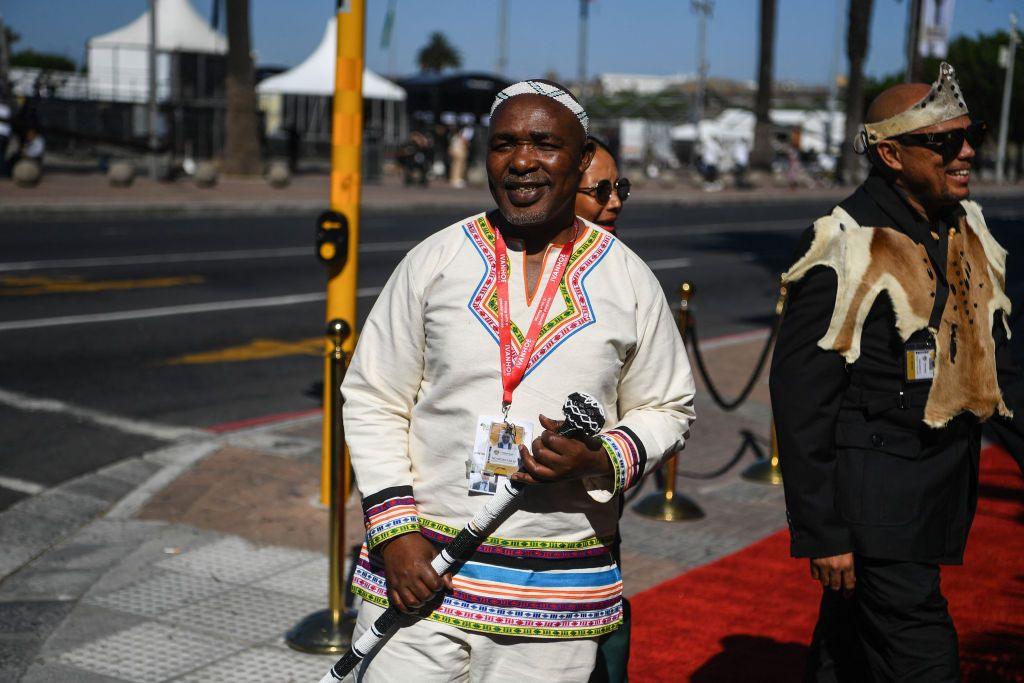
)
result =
(21, 486)
(670, 263)
(185, 309)
(127, 425)
(682, 230)
(193, 257)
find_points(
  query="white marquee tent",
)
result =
(118, 61)
(299, 97)
(733, 125)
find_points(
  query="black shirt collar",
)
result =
(892, 201)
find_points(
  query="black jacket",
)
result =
(862, 472)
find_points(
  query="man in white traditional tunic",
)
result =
(440, 382)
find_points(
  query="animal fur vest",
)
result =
(868, 261)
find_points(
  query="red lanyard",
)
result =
(513, 367)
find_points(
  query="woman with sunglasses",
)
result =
(602, 192)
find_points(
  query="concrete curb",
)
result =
(98, 210)
(30, 527)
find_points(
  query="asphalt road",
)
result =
(117, 336)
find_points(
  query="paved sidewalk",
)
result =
(189, 563)
(90, 194)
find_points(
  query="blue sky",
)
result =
(633, 36)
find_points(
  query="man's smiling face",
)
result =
(535, 159)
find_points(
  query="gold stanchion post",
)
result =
(669, 505)
(769, 471)
(329, 631)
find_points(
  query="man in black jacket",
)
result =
(892, 354)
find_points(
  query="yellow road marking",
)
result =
(257, 349)
(34, 285)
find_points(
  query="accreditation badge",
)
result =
(495, 453)
(919, 361)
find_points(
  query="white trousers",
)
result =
(428, 652)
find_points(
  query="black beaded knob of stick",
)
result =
(584, 416)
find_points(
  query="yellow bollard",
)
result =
(346, 185)
(329, 631)
(769, 471)
(668, 505)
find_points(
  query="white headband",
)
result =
(547, 90)
(943, 102)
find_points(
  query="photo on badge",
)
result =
(495, 453)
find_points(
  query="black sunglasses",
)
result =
(603, 190)
(948, 143)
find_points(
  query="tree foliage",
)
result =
(438, 54)
(42, 60)
(670, 106)
(976, 60)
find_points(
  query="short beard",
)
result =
(526, 218)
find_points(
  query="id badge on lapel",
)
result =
(919, 361)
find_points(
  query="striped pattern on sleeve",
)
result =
(628, 456)
(388, 513)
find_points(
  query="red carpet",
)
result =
(749, 616)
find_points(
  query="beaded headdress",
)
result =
(942, 103)
(557, 93)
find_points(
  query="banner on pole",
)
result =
(935, 27)
(389, 25)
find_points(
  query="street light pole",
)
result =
(913, 38)
(704, 9)
(1004, 113)
(581, 65)
(833, 79)
(152, 142)
(503, 38)
(4, 66)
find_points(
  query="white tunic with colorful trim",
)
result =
(426, 368)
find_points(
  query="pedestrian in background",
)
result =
(5, 133)
(740, 163)
(458, 152)
(710, 158)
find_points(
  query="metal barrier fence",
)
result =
(668, 504)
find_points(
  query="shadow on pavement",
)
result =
(749, 658)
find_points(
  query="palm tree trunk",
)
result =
(762, 154)
(242, 144)
(856, 49)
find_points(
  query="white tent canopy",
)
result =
(315, 75)
(118, 61)
(179, 28)
(733, 125)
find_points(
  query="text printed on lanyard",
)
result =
(513, 366)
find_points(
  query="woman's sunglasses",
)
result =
(948, 143)
(602, 192)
